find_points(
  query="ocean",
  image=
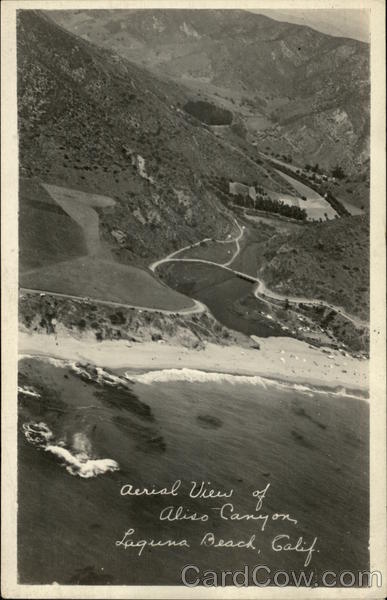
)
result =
(280, 459)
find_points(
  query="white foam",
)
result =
(109, 378)
(28, 390)
(77, 462)
(197, 376)
(80, 464)
(194, 376)
(81, 443)
(100, 376)
(37, 433)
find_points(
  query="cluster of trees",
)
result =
(267, 204)
(314, 168)
(208, 113)
(338, 172)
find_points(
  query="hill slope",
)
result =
(328, 261)
(300, 92)
(91, 121)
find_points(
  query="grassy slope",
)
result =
(103, 280)
(329, 261)
(47, 235)
(53, 257)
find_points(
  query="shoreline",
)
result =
(281, 359)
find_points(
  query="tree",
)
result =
(338, 172)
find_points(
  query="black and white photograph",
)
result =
(193, 250)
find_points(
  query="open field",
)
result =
(105, 280)
(47, 235)
(61, 251)
(279, 222)
(62, 194)
(315, 205)
(210, 250)
(78, 205)
(351, 191)
(252, 246)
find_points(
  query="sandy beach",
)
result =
(282, 358)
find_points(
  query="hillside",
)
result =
(94, 122)
(327, 261)
(299, 91)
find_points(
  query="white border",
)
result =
(9, 267)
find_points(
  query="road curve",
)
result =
(198, 307)
(173, 255)
(262, 290)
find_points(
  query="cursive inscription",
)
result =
(128, 542)
(237, 523)
(129, 490)
(282, 543)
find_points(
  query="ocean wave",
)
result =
(28, 390)
(78, 461)
(194, 376)
(85, 370)
(81, 465)
(197, 376)
(97, 374)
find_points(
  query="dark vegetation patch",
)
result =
(262, 202)
(208, 113)
(271, 205)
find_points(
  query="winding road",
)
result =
(173, 255)
(261, 291)
(198, 307)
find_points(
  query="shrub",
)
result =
(207, 113)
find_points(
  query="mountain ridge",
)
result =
(256, 66)
(91, 120)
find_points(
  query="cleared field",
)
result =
(60, 194)
(276, 221)
(287, 199)
(315, 205)
(105, 280)
(60, 251)
(79, 206)
(213, 251)
(47, 235)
